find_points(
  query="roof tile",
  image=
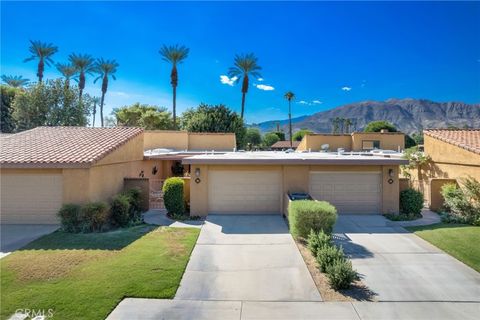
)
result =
(468, 139)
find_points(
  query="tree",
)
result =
(85, 64)
(15, 81)
(377, 126)
(145, 116)
(105, 68)
(280, 134)
(175, 55)
(95, 101)
(409, 142)
(336, 125)
(7, 124)
(67, 71)
(418, 137)
(270, 138)
(244, 66)
(347, 124)
(290, 96)
(218, 118)
(298, 136)
(50, 104)
(43, 52)
(253, 137)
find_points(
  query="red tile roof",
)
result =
(62, 146)
(468, 139)
(284, 144)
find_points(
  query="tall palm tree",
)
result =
(105, 68)
(67, 70)
(95, 100)
(175, 55)
(336, 124)
(15, 81)
(290, 96)
(43, 52)
(244, 65)
(85, 64)
(347, 124)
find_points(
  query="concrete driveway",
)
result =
(399, 266)
(15, 236)
(246, 257)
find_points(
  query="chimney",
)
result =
(384, 131)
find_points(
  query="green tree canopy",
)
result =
(8, 94)
(409, 142)
(418, 137)
(298, 136)
(377, 126)
(218, 118)
(145, 116)
(50, 104)
(270, 138)
(280, 134)
(253, 137)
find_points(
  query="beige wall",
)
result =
(388, 140)
(315, 141)
(295, 179)
(183, 140)
(154, 139)
(211, 141)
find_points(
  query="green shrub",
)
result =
(327, 255)
(95, 216)
(463, 202)
(317, 240)
(411, 202)
(341, 274)
(120, 209)
(306, 215)
(135, 199)
(70, 217)
(173, 196)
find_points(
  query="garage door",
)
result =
(351, 193)
(244, 192)
(30, 198)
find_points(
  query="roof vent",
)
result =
(384, 131)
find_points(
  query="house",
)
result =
(284, 145)
(46, 167)
(454, 154)
(356, 141)
(257, 182)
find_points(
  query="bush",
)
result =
(341, 274)
(306, 215)
(70, 217)
(135, 198)
(317, 240)
(173, 197)
(95, 216)
(120, 209)
(327, 255)
(463, 203)
(411, 202)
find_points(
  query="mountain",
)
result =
(408, 115)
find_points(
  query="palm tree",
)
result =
(67, 70)
(105, 68)
(244, 65)
(290, 96)
(15, 81)
(336, 124)
(175, 55)
(95, 100)
(43, 52)
(347, 124)
(85, 64)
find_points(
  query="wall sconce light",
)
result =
(141, 174)
(197, 172)
(154, 170)
(390, 173)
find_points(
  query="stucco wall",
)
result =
(388, 140)
(315, 141)
(165, 139)
(211, 141)
(183, 140)
(295, 179)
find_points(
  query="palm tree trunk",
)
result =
(290, 123)
(174, 108)
(101, 109)
(243, 105)
(94, 111)
(41, 67)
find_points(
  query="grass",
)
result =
(458, 240)
(84, 276)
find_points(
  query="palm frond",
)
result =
(66, 69)
(41, 50)
(174, 54)
(83, 62)
(15, 81)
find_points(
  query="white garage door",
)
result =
(349, 192)
(30, 198)
(244, 192)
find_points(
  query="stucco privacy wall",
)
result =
(315, 141)
(183, 140)
(211, 141)
(295, 178)
(388, 140)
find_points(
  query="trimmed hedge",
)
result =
(95, 216)
(326, 256)
(316, 241)
(341, 274)
(411, 202)
(120, 208)
(70, 217)
(173, 196)
(307, 215)
(135, 198)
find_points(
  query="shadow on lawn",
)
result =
(111, 240)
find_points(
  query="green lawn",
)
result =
(458, 240)
(84, 276)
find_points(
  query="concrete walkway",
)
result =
(428, 217)
(246, 257)
(15, 236)
(159, 217)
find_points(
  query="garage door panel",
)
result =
(231, 191)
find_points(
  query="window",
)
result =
(370, 144)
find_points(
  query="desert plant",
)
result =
(95, 216)
(70, 218)
(173, 196)
(306, 215)
(317, 240)
(105, 69)
(327, 255)
(341, 274)
(411, 202)
(120, 209)
(463, 202)
(43, 52)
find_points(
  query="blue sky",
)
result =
(329, 54)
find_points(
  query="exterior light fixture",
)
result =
(390, 174)
(197, 175)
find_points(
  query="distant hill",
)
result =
(408, 115)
